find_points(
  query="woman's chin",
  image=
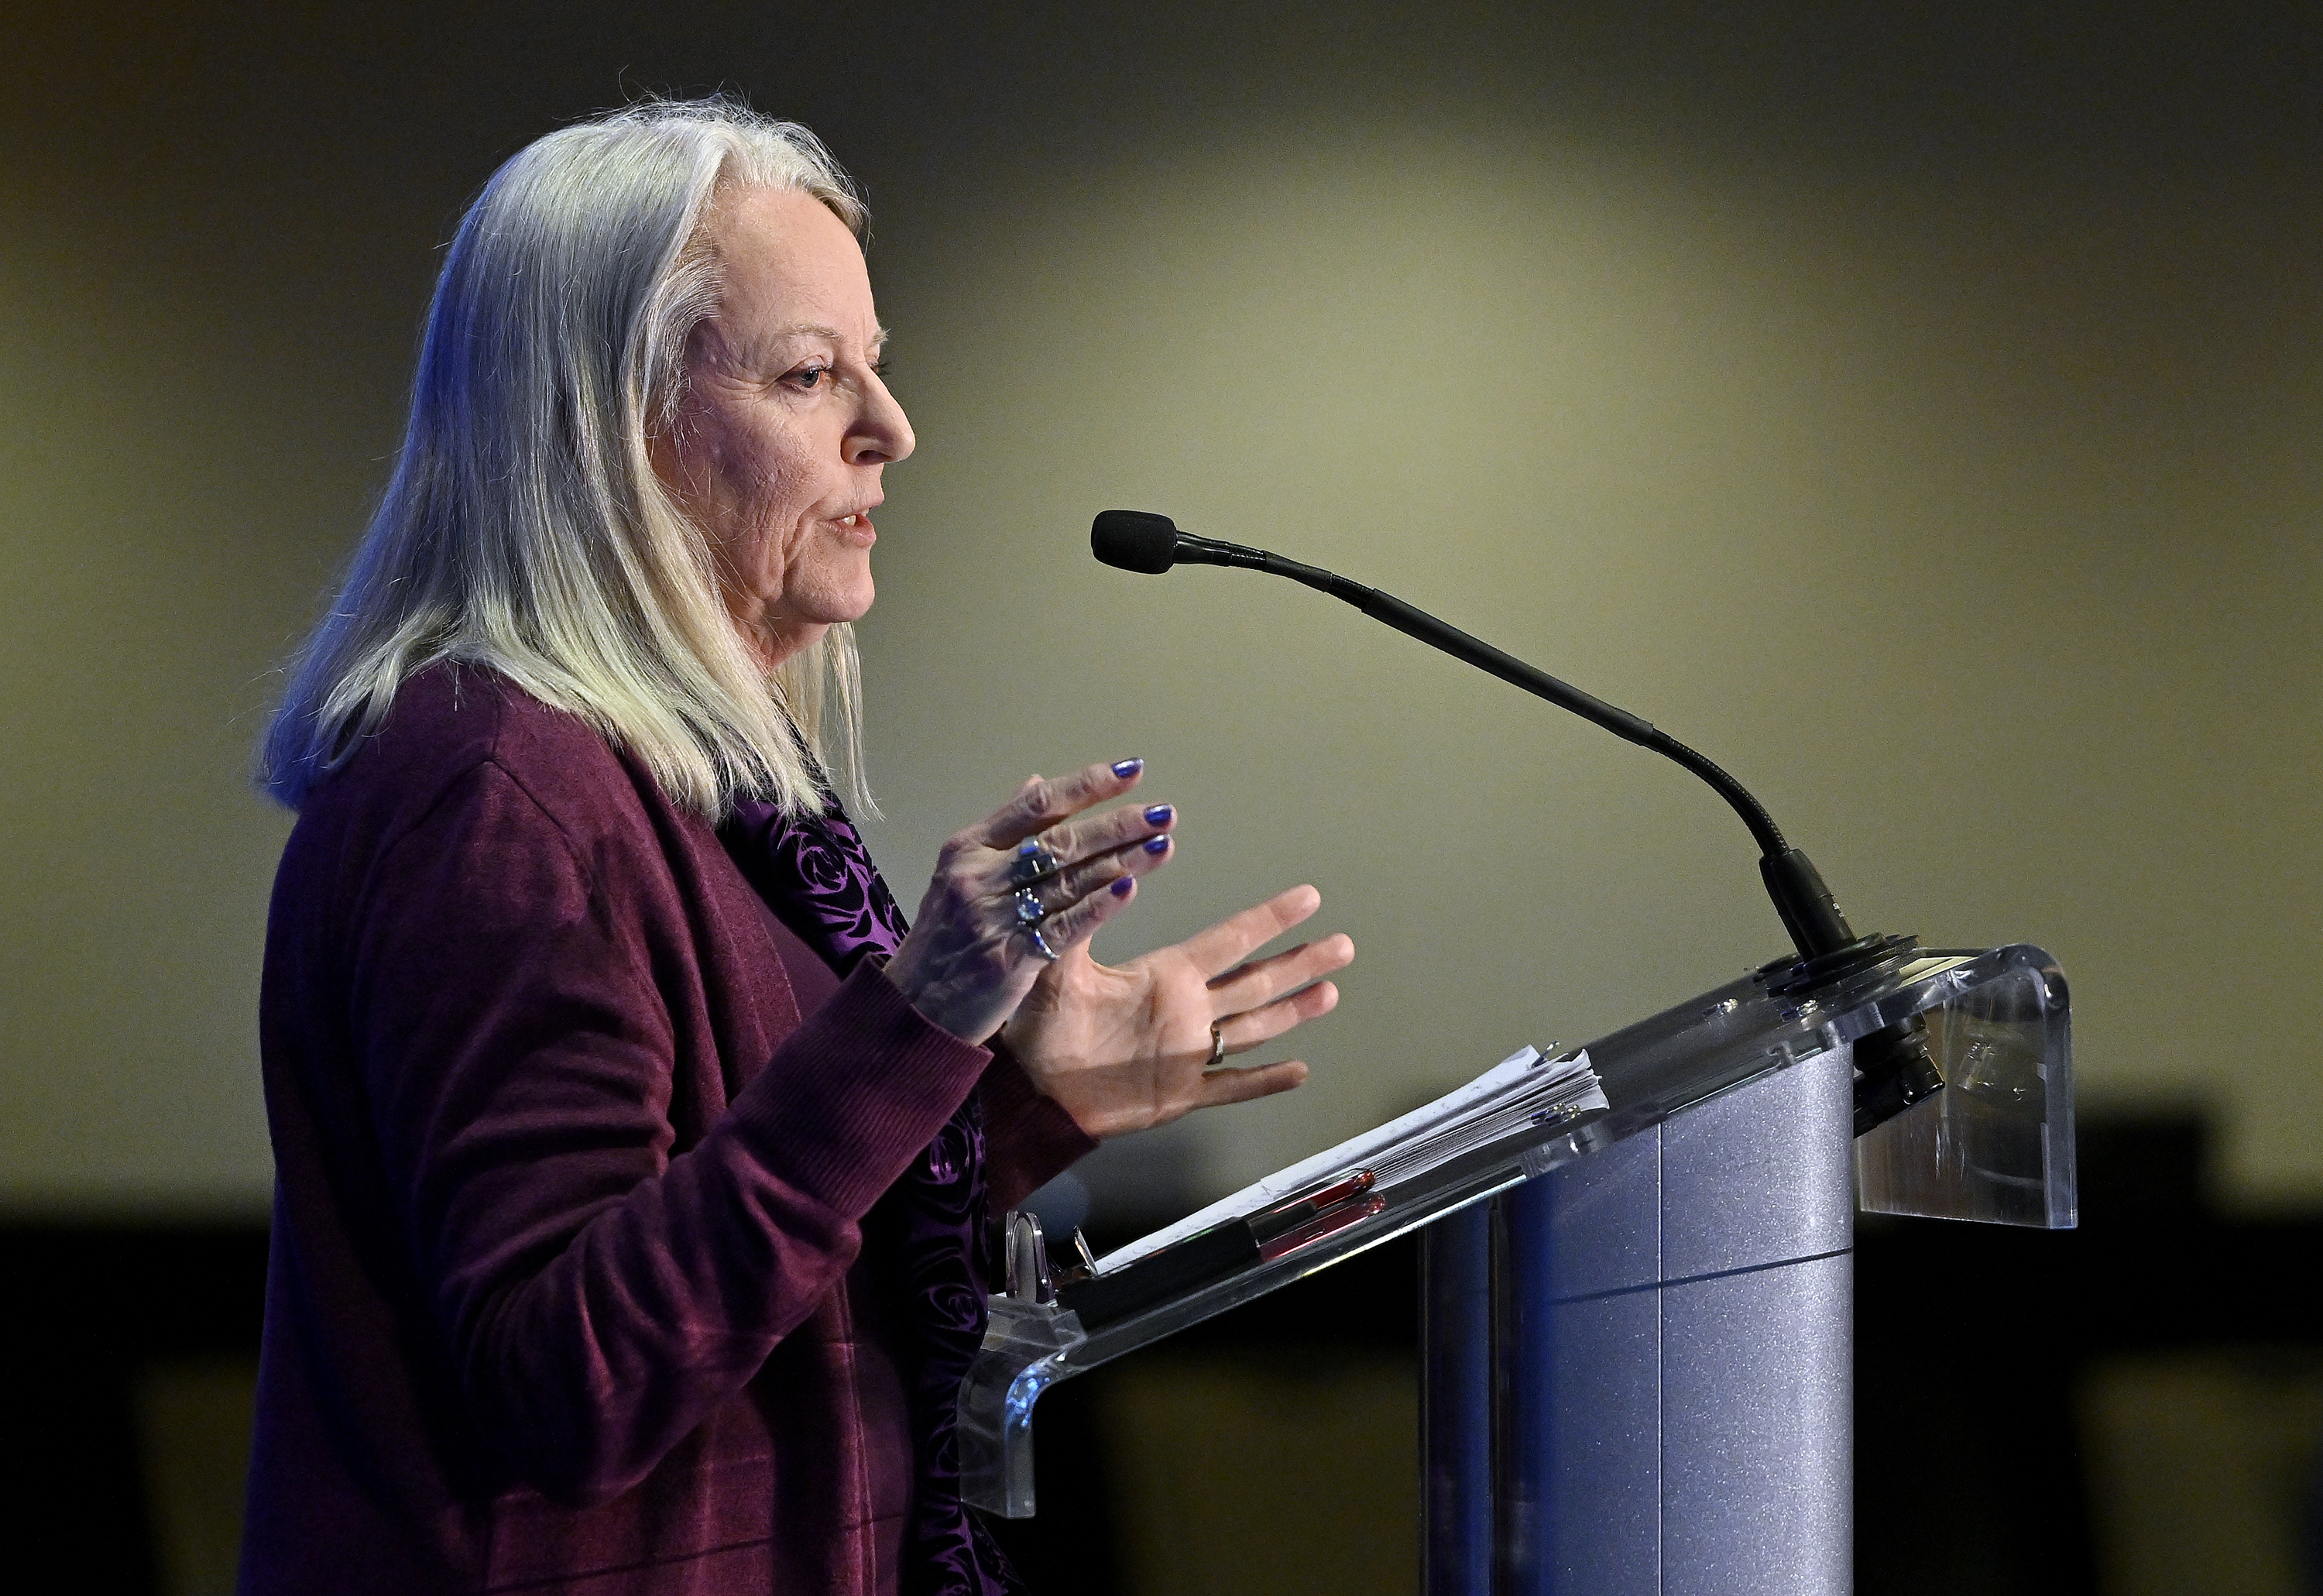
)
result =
(850, 606)
(777, 637)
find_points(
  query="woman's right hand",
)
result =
(969, 959)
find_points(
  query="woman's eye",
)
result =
(810, 376)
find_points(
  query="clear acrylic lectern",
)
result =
(1636, 1335)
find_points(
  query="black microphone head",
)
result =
(1134, 540)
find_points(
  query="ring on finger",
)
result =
(1028, 910)
(1218, 1046)
(1033, 862)
(1040, 943)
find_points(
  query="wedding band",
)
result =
(1040, 943)
(1033, 862)
(1218, 1046)
(1030, 910)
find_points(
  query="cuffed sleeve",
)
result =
(851, 1107)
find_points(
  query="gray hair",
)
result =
(524, 530)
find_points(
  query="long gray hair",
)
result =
(524, 530)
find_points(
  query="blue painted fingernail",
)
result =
(1123, 887)
(1157, 846)
(1126, 768)
(1158, 815)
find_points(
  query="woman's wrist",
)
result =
(965, 1014)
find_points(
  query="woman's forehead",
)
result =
(792, 267)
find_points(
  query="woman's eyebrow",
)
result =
(807, 329)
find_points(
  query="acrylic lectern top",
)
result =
(1995, 1144)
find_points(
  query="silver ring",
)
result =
(1218, 1046)
(1033, 862)
(1040, 943)
(1030, 910)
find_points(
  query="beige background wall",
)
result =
(1923, 416)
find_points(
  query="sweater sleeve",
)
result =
(1029, 1138)
(601, 1295)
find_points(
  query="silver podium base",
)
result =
(1664, 1331)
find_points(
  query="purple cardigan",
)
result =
(565, 1292)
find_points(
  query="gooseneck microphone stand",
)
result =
(1893, 1070)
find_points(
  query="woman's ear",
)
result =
(672, 421)
(672, 431)
(662, 452)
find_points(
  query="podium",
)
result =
(1636, 1334)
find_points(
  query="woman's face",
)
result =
(779, 443)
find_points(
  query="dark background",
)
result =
(1973, 1346)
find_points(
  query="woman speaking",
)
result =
(633, 1155)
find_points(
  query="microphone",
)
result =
(1139, 540)
(1894, 1069)
(1136, 540)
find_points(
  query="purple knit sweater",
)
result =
(568, 1288)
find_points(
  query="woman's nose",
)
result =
(882, 432)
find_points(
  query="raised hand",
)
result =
(1122, 1049)
(976, 944)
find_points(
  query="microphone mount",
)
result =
(1894, 1068)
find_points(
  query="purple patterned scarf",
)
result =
(817, 877)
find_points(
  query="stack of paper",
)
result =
(1525, 1088)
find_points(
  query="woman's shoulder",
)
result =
(475, 804)
(455, 729)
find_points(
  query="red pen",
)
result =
(1338, 1189)
(1294, 1211)
(1330, 1222)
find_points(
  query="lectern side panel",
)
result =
(1757, 1417)
(1579, 1359)
(1762, 1175)
(1455, 1440)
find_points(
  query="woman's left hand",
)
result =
(1123, 1049)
